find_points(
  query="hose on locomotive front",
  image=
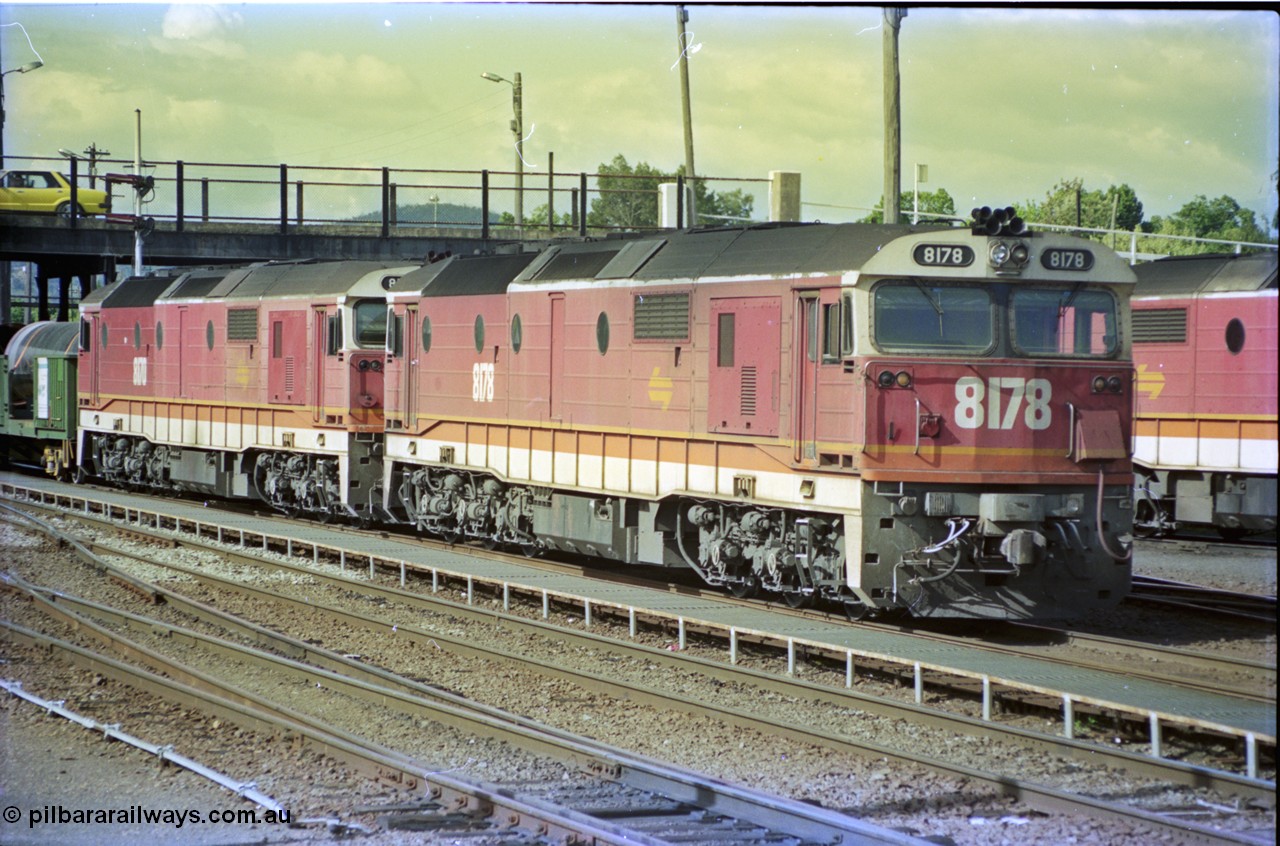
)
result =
(1101, 538)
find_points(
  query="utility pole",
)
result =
(517, 131)
(892, 115)
(517, 95)
(682, 17)
(94, 154)
(137, 193)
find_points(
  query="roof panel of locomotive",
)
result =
(1187, 276)
(465, 275)
(134, 292)
(306, 279)
(762, 251)
(759, 252)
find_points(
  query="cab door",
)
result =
(821, 403)
(805, 401)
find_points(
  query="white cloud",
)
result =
(202, 28)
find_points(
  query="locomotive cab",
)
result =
(997, 428)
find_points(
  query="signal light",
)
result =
(1115, 384)
(903, 379)
(1099, 384)
(886, 378)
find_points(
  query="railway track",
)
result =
(1029, 793)
(1203, 600)
(943, 681)
(615, 802)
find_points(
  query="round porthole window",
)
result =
(602, 333)
(1235, 336)
(479, 333)
(517, 334)
(426, 334)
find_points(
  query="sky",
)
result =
(1001, 102)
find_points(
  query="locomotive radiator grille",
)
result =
(747, 406)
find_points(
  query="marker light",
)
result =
(885, 379)
(1115, 384)
(903, 379)
(1099, 384)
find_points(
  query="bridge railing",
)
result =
(379, 199)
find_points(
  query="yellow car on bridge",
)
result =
(48, 191)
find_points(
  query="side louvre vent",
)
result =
(661, 317)
(288, 374)
(748, 406)
(1160, 326)
(242, 324)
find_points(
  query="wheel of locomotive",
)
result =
(1146, 519)
(855, 611)
(797, 598)
(1232, 533)
(745, 587)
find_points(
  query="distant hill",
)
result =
(427, 214)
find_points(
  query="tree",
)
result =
(1069, 204)
(1222, 219)
(629, 197)
(931, 203)
(538, 218)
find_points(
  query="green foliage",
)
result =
(931, 203)
(1069, 204)
(629, 197)
(538, 219)
(1222, 219)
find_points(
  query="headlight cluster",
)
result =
(887, 379)
(1008, 255)
(1107, 384)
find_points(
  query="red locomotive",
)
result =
(263, 382)
(935, 420)
(1204, 333)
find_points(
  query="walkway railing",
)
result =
(380, 198)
